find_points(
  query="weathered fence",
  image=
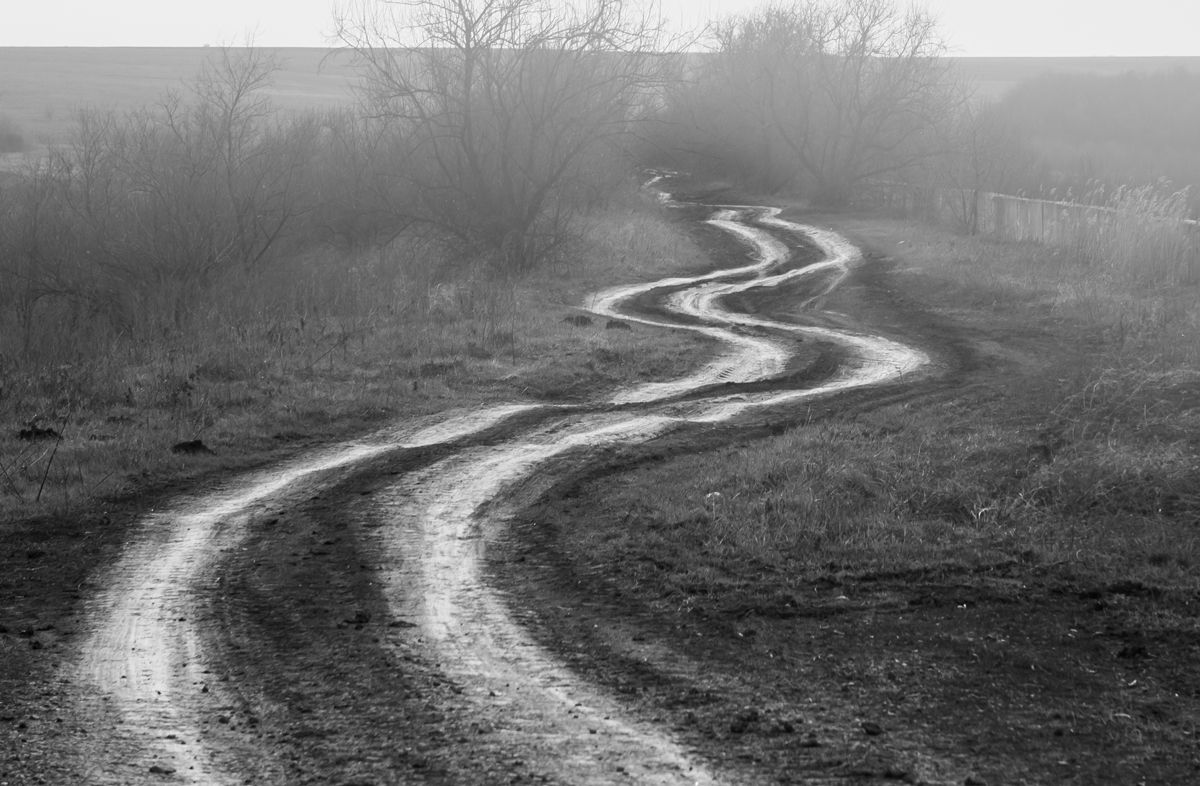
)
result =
(1002, 216)
(1130, 233)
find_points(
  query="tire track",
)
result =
(142, 678)
(145, 680)
(444, 516)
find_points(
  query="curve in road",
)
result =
(142, 677)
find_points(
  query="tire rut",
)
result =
(148, 680)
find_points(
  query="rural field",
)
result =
(538, 408)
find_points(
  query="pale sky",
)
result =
(973, 27)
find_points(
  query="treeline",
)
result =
(1086, 135)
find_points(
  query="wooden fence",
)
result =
(1006, 217)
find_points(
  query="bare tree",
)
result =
(35, 253)
(826, 96)
(146, 209)
(982, 152)
(505, 106)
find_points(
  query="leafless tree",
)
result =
(982, 152)
(146, 209)
(826, 96)
(506, 107)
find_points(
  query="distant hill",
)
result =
(992, 76)
(40, 87)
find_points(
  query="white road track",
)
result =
(144, 659)
(144, 669)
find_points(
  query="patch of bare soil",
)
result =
(1017, 671)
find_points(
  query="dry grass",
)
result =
(328, 342)
(1131, 283)
(1076, 449)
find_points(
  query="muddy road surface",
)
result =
(332, 621)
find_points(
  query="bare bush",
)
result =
(819, 96)
(360, 195)
(506, 106)
(133, 222)
(980, 151)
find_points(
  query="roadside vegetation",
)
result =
(1075, 447)
(811, 98)
(205, 281)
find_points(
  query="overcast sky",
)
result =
(973, 27)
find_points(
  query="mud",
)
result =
(153, 688)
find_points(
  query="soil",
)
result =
(320, 657)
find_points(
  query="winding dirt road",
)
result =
(147, 683)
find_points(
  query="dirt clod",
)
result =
(36, 433)
(193, 447)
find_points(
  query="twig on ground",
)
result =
(98, 483)
(53, 453)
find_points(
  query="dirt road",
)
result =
(206, 662)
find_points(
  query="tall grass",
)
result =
(1144, 241)
(1133, 275)
(1126, 270)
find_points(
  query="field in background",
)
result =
(993, 76)
(41, 87)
